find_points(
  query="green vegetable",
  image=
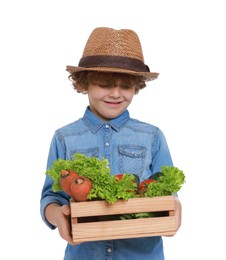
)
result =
(136, 215)
(54, 172)
(167, 184)
(109, 187)
(104, 185)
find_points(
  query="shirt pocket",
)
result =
(89, 152)
(131, 159)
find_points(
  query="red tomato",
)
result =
(80, 188)
(144, 184)
(66, 177)
(119, 176)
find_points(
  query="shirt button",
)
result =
(109, 250)
(107, 126)
(107, 144)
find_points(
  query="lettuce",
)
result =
(170, 182)
(104, 185)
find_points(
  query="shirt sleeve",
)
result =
(161, 153)
(48, 196)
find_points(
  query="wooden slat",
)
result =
(136, 205)
(120, 229)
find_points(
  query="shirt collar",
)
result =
(95, 123)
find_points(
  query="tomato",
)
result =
(80, 188)
(66, 177)
(144, 184)
(119, 177)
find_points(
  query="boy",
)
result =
(111, 71)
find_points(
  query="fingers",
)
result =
(66, 232)
(66, 210)
(64, 225)
(177, 213)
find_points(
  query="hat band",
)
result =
(113, 62)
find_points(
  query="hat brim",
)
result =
(147, 75)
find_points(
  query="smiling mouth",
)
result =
(112, 103)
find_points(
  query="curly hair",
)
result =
(81, 80)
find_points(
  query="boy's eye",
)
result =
(107, 85)
(125, 86)
(104, 85)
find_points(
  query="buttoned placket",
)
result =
(107, 134)
(109, 250)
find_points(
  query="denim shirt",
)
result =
(130, 146)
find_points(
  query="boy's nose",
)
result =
(115, 91)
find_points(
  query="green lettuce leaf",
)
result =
(170, 182)
(104, 185)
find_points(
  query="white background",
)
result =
(183, 40)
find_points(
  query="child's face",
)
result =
(109, 101)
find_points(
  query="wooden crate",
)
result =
(89, 230)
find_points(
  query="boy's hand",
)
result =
(63, 221)
(178, 210)
(59, 216)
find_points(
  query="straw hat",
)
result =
(110, 50)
